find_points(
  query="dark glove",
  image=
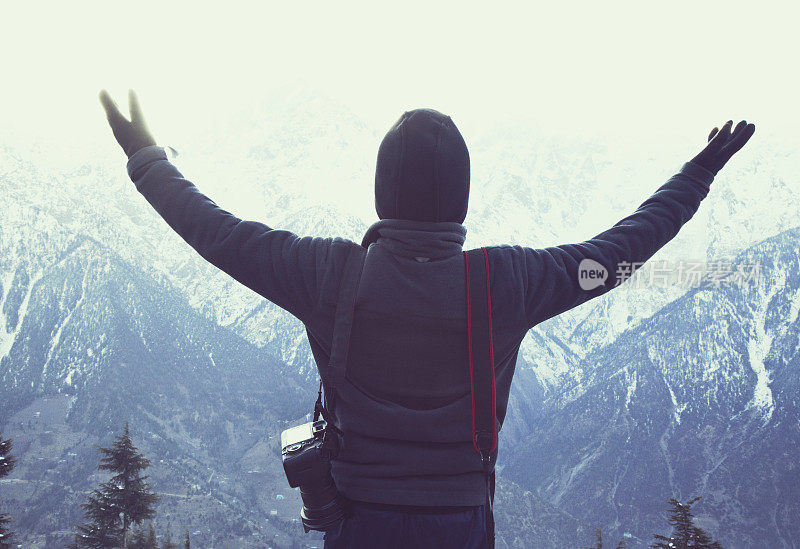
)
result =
(132, 135)
(721, 148)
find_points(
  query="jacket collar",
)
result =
(431, 239)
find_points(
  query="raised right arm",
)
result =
(551, 274)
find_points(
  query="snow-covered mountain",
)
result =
(89, 341)
(92, 279)
(301, 162)
(699, 399)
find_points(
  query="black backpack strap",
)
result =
(481, 369)
(343, 323)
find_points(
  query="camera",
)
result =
(306, 451)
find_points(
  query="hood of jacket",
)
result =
(422, 173)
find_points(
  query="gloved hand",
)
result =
(132, 135)
(723, 145)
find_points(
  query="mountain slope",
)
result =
(700, 399)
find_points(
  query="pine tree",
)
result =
(142, 539)
(102, 527)
(6, 536)
(138, 539)
(7, 463)
(123, 500)
(685, 534)
(702, 539)
(168, 542)
(152, 543)
(131, 492)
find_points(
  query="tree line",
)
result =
(7, 463)
(113, 508)
(685, 533)
(126, 500)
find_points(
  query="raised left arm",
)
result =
(277, 264)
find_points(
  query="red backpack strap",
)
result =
(481, 370)
(481, 352)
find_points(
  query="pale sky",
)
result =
(580, 68)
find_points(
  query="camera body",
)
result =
(306, 451)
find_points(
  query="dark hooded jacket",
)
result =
(405, 410)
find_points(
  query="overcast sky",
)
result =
(672, 68)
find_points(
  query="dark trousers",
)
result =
(367, 526)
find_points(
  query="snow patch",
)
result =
(757, 348)
(794, 307)
(662, 443)
(632, 383)
(57, 337)
(677, 410)
(7, 338)
(573, 473)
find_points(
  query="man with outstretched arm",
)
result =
(407, 468)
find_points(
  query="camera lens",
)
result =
(307, 450)
(323, 506)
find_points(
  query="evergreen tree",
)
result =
(138, 539)
(7, 463)
(152, 543)
(123, 500)
(685, 533)
(102, 527)
(6, 536)
(142, 539)
(168, 542)
(131, 492)
(186, 541)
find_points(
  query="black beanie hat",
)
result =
(423, 169)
